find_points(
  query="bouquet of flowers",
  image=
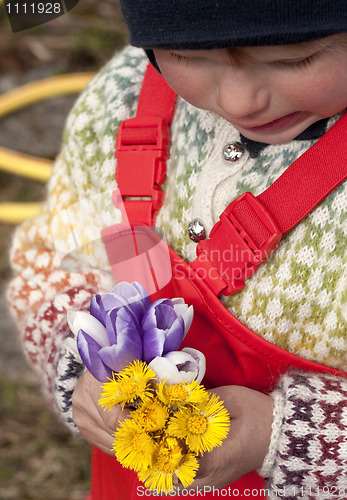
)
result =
(131, 346)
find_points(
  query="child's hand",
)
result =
(95, 424)
(248, 440)
(242, 451)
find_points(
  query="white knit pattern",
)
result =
(308, 454)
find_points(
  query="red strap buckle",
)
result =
(243, 238)
(141, 149)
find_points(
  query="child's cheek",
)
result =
(189, 85)
(323, 93)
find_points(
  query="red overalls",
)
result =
(234, 354)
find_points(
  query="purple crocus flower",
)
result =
(133, 295)
(109, 338)
(124, 326)
(164, 326)
(91, 336)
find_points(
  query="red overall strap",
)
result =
(309, 180)
(250, 228)
(142, 147)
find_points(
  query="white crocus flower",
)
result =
(187, 312)
(81, 320)
(178, 367)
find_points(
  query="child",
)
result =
(259, 82)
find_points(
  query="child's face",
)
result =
(270, 94)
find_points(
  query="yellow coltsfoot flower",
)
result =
(133, 447)
(170, 461)
(178, 395)
(133, 384)
(151, 416)
(203, 426)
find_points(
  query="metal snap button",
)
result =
(233, 151)
(196, 230)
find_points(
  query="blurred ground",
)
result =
(38, 458)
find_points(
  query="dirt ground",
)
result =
(38, 458)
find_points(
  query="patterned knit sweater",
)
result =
(296, 301)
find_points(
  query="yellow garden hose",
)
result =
(14, 213)
(26, 165)
(42, 89)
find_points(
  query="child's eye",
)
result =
(179, 57)
(301, 63)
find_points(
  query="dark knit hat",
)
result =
(205, 24)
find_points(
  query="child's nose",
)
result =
(241, 94)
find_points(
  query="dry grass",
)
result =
(39, 460)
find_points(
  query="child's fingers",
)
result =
(96, 424)
(101, 439)
(112, 417)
